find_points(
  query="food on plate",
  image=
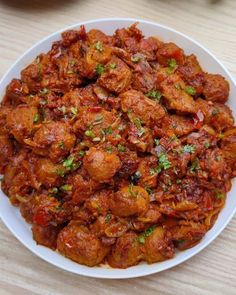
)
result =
(117, 149)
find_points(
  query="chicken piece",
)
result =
(216, 115)
(187, 235)
(157, 246)
(77, 243)
(95, 35)
(170, 51)
(139, 106)
(109, 227)
(32, 76)
(20, 121)
(97, 54)
(98, 204)
(129, 163)
(148, 174)
(97, 120)
(6, 151)
(16, 91)
(129, 200)
(140, 138)
(216, 88)
(117, 76)
(192, 73)
(46, 236)
(176, 98)
(71, 36)
(4, 112)
(228, 146)
(126, 252)
(44, 211)
(128, 38)
(143, 77)
(19, 178)
(53, 139)
(48, 173)
(82, 186)
(213, 162)
(149, 46)
(101, 165)
(79, 97)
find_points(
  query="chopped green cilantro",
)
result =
(154, 94)
(156, 141)
(135, 59)
(81, 153)
(138, 123)
(36, 118)
(188, 148)
(131, 191)
(220, 195)
(190, 90)
(100, 69)
(172, 63)
(66, 187)
(164, 163)
(108, 217)
(98, 46)
(146, 234)
(155, 170)
(89, 133)
(207, 144)
(74, 111)
(195, 165)
(107, 131)
(113, 65)
(121, 148)
(61, 145)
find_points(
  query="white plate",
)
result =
(21, 229)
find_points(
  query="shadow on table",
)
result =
(37, 5)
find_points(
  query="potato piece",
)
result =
(101, 165)
(126, 252)
(216, 88)
(20, 121)
(157, 246)
(78, 244)
(130, 200)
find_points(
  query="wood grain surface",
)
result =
(213, 24)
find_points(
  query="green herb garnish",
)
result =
(195, 165)
(121, 148)
(108, 217)
(156, 141)
(154, 94)
(100, 69)
(74, 111)
(188, 148)
(113, 65)
(61, 145)
(36, 118)
(146, 234)
(89, 133)
(190, 90)
(135, 59)
(98, 46)
(164, 163)
(66, 187)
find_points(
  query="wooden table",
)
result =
(212, 23)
